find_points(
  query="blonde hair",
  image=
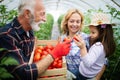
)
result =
(64, 27)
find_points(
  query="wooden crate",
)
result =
(61, 72)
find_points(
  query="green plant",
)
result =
(59, 21)
(5, 15)
(45, 29)
(113, 70)
(87, 21)
(6, 61)
(114, 12)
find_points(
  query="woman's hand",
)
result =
(81, 44)
(79, 41)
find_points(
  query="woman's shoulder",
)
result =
(84, 34)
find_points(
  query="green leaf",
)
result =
(6, 15)
(5, 75)
(2, 49)
(9, 61)
(2, 70)
(118, 18)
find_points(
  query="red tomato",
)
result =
(56, 59)
(49, 47)
(43, 56)
(36, 57)
(40, 47)
(59, 65)
(75, 38)
(66, 39)
(45, 48)
(54, 64)
(59, 61)
(48, 50)
(39, 51)
(44, 53)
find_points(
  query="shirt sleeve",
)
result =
(23, 71)
(94, 52)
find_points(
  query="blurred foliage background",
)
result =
(113, 69)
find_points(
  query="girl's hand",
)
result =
(79, 41)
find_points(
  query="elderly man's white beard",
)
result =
(35, 25)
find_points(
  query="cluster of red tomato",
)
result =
(43, 51)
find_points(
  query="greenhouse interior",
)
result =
(51, 29)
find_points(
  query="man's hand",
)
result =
(61, 49)
(70, 75)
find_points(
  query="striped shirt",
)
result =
(19, 45)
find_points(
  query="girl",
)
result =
(102, 45)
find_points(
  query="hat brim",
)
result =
(113, 24)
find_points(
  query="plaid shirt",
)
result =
(73, 58)
(19, 45)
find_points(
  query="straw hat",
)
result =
(100, 18)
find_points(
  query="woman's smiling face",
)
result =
(74, 23)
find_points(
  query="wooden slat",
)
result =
(58, 71)
(45, 42)
(54, 78)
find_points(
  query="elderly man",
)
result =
(17, 37)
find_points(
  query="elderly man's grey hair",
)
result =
(26, 4)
